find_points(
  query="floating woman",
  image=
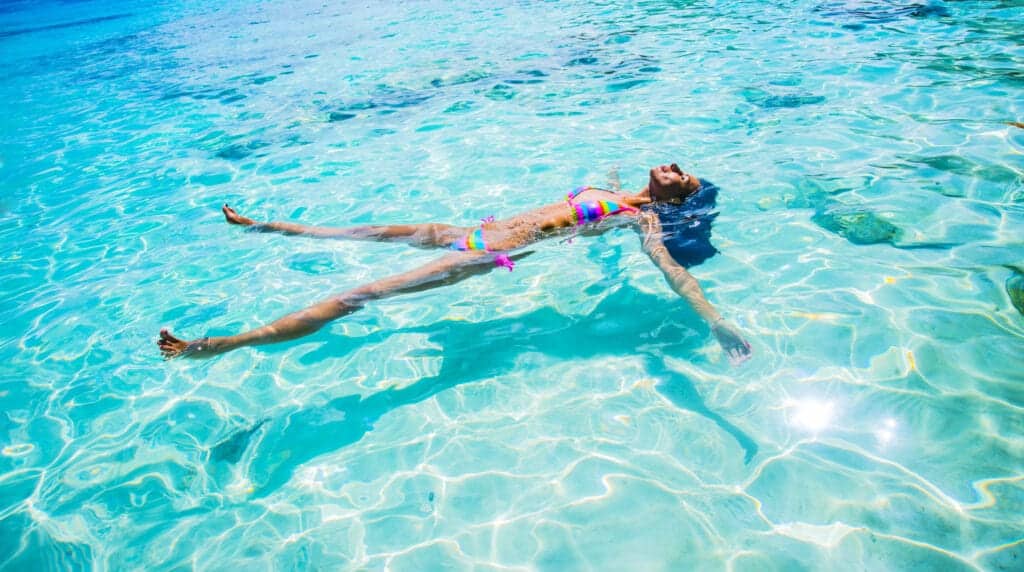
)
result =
(672, 214)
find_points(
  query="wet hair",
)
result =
(686, 226)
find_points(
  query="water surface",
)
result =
(571, 415)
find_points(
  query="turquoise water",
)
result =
(557, 418)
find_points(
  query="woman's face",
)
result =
(669, 182)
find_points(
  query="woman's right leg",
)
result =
(430, 234)
(446, 270)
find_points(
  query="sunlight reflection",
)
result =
(886, 434)
(810, 414)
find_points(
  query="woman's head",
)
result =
(670, 182)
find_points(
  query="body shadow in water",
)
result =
(475, 352)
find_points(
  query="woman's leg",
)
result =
(430, 234)
(443, 271)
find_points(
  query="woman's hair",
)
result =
(686, 226)
(707, 187)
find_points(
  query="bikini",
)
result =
(593, 211)
(584, 212)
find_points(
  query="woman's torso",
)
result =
(685, 226)
(554, 219)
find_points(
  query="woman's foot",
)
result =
(233, 217)
(172, 346)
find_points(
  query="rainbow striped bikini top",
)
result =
(593, 211)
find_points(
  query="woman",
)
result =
(476, 250)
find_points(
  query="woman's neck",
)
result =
(640, 198)
(645, 197)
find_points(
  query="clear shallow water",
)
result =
(545, 419)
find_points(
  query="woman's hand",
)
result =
(731, 341)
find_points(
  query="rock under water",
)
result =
(766, 100)
(1015, 288)
(859, 227)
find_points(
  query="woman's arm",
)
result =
(687, 286)
(613, 180)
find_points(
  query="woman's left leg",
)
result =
(428, 235)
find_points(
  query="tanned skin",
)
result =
(667, 183)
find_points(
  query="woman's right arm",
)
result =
(689, 289)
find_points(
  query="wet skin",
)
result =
(666, 183)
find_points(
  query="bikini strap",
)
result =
(577, 191)
(582, 189)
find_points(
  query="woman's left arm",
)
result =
(613, 180)
(687, 286)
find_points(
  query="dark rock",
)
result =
(859, 227)
(501, 92)
(583, 61)
(1015, 288)
(766, 100)
(238, 151)
(230, 450)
